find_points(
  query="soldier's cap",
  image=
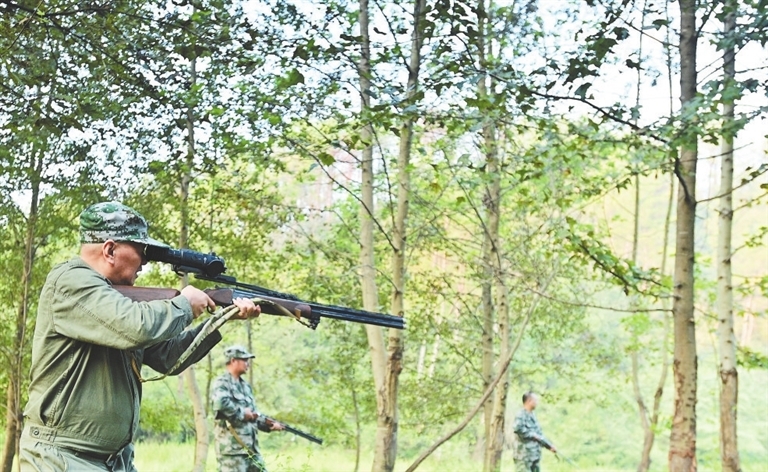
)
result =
(113, 220)
(237, 352)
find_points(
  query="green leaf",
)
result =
(293, 77)
(301, 53)
(326, 158)
(582, 90)
(751, 359)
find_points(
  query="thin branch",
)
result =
(491, 387)
(342, 186)
(641, 131)
(743, 184)
(599, 307)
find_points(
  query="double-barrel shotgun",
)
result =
(211, 267)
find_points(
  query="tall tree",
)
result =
(490, 227)
(682, 443)
(17, 353)
(384, 427)
(729, 378)
(54, 102)
(649, 417)
(493, 284)
(201, 424)
(387, 437)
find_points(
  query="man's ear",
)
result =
(108, 250)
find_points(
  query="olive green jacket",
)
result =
(84, 393)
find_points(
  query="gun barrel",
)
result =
(358, 316)
(304, 435)
(317, 310)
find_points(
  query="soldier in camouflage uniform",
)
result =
(90, 343)
(529, 437)
(237, 420)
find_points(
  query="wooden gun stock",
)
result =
(224, 296)
(220, 296)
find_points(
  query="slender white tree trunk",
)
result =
(682, 444)
(729, 377)
(13, 413)
(198, 407)
(367, 254)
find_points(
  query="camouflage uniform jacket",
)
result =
(530, 438)
(231, 397)
(84, 394)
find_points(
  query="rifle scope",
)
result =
(186, 259)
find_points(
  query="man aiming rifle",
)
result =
(90, 344)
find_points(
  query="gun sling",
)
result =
(240, 441)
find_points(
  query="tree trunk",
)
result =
(645, 460)
(387, 425)
(367, 255)
(14, 418)
(201, 440)
(487, 335)
(503, 367)
(496, 440)
(209, 381)
(682, 447)
(729, 386)
(642, 409)
(201, 426)
(489, 240)
(650, 435)
(358, 428)
(495, 408)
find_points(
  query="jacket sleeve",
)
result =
(163, 356)
(544, 441)
(86, 308)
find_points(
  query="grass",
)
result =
(597, 438)
(178, 457)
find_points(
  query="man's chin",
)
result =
(129, 282)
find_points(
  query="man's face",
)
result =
(129, 259)
(533, 400)
(241, 365)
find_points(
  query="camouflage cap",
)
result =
(237, 352)
(113, 220)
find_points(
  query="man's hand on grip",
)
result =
(199, 300)
(248, 309)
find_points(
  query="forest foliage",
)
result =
(97, 98)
